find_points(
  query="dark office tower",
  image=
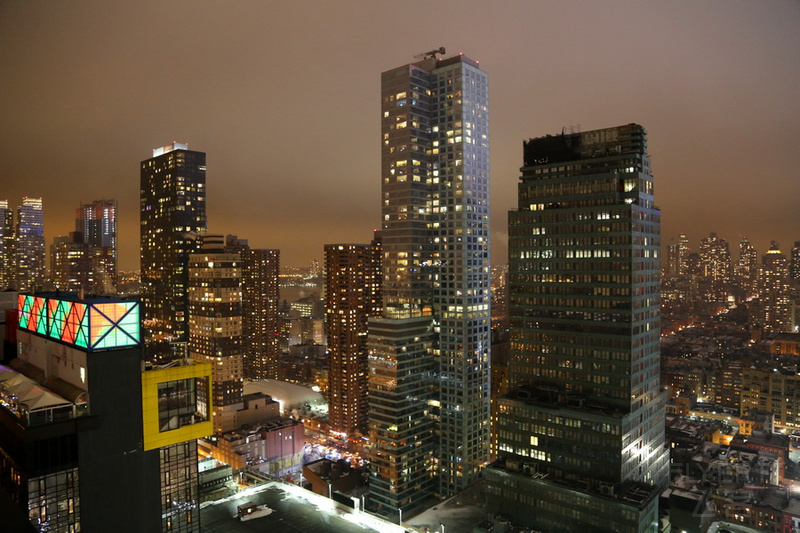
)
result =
(215, 325)
(71, 264)
(352, 295)
(6, 245)
(260, 299)
(430, 350)
(747, 269)
(29, 245)
(173, 216)
(581, 437)
(794, 266)
(97, 222)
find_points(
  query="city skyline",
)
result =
(257, 90)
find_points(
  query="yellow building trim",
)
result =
(153, 438)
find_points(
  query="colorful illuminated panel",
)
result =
(114, 325)
(89, 325)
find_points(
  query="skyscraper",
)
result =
(794, 263)
(747, 269)
(173, 217)
(6, 245)
(774, 291)
(581, 437)
(429, 351)
(29, 245)
(215, 325)
(97, 222)
(352, 295)
(71, 264)
(260, 299)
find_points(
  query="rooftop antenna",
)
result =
(431, 54)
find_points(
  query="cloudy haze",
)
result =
(284, 99)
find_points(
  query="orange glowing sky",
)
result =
(284, 99)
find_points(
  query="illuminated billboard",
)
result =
(89, 325)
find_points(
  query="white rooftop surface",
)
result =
(289, 395)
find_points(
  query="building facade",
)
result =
(172, 217)
(429, 352)
(581, 435)
(6, 245)
(29, 245)
(97, 222)
(260, 300)
(71, 262)
(86, 438)
(215, 324)
(352, 296)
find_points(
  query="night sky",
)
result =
(284, 97)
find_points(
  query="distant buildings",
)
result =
(581, 435)
(97, 223)
(7, 260)
(429, 352)
(29, 245)
(71, 265)
(774, 307)
(173, 217)
(352, 296)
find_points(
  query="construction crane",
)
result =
(431, 54)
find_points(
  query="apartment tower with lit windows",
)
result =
(172, 217)
(215, 325)
(260, 300)
(97, 222)
(352, 296)
(429, 352)
(29, 246)
(581, 435)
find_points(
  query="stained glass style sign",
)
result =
(89, 325)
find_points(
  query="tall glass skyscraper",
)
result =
(429, 352)
(6, 245)
(173, 217)
(581, 437)
(29, 245)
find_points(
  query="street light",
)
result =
(442, 527)
(400, 510)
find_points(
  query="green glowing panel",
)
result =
(39, 315)
(77, 325)
(24, 304)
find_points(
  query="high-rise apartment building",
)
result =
(581, 435)
(429, 352)
(215, 325)
(6, 245)
(794, 264)
(716, 267)
(352, 296)
(774, 303)
(71, 264)
(173, 217)
(97, 222)
(260, 300)
(29, 245)
(747, 269)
